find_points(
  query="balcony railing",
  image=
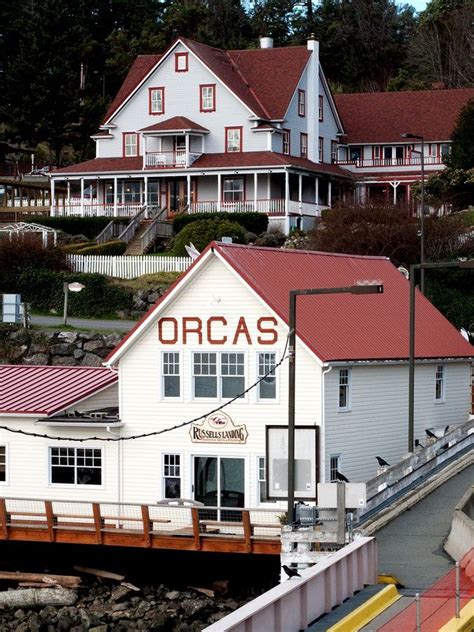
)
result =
(412, 161)
(170, 159)
(269, 206)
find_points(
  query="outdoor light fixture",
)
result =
(70, 287)
(361, 287)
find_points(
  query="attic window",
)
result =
(181, 62)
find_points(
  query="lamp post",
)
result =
(411, 351)
(373, 288)
(422, 214)
(70, 287)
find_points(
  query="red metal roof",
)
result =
(377, 117)
(45, 390)
(176, 123)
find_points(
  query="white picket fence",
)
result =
(127, 267)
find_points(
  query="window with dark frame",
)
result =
(3, 463)
(301, 103)
(286, 141)
(76, 466)
(334, 151)
(267, 387)
(181, 62)
(233, 139)
(303, 145)
(334, 467)
(439, 383)
(207, 98)
(156, 100)
(171, 377)
(343, 403)
(172, 475)
(321, 149)
(321, 107)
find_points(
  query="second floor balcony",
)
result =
(176, 159)
(406, 161)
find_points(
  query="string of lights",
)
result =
(154, 433)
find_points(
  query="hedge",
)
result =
(253, 222)
(116, 247)
(206, 230)
(90, 227)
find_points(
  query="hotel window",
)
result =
(267, 387)
(262, 481)
(286, 141)
(321, 107)
(76, 466)
(376, 152)
(334, 151)
(444, 151)
(233, 136)
(208, 98)
(212, 379)
(172, 475)
(334, 460)
(439, 383)
(301, 103)
(344, 389)
(233, 190)
(171, 378)
(321, 149)
(355, 153)
(132, 192)
(157, 100)
(3, 464)
(303, 145)
(130, 144)
(181, 62)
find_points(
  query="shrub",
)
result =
(108, 248)
(202, 232)
(253, 222)
(73, 249)
(273, 238)
(88, 226)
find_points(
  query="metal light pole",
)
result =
(353, 289)
(422, 213)
(70, 287)
(411, 344)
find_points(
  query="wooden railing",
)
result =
(269, 206)
(167, 159)
(158, 228)
(391, 162)
(129, 232)
(93, 209)
(111, 231)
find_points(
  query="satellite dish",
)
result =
(404, 271)
(192, 251)
(464, 334)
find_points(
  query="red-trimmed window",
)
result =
(233, 139)
(301, 103)
(321, 149)
(207, 101)
(181, 62)
(286, 141)
(334, 151)
(130, 144)
(156, 100)
(321, 107)
(376, 152)
(303, 145)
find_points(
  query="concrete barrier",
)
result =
(294, 604)
(461, 536)
(365, 613)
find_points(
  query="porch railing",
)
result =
(271, 207)
(167, 159)
(391, 162)
(93, 209)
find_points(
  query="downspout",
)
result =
(323, 424)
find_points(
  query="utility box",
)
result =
(307, 516)
(11, 308)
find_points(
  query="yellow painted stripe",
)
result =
(465, 623)
(388, 579)
(367, 611)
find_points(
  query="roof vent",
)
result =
(266, 42)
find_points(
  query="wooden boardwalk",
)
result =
(184, 528)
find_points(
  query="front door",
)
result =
(178, 195)
(220, 482)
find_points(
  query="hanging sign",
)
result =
(218, 428)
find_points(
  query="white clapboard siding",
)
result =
(127, 267)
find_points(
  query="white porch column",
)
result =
(255, 182)
(115, 197)
(300, 193)
(394, 186)
(82, 196)
(329, 193)
(316, 190)
(68, 195)
(145, 195)
(219, 191)
(287, 202)
(52, 202)
(144, 144)
(186, 144)
(188, 190)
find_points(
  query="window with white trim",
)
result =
(181, 62)
(233, 139)
(344, 389)
(218, 375)
(321, 107)
(262, 481)
(334, 461)
(286, 141)
(208, 98)
(334, 151)
(172, 475)
(301, 103)
(3, 463)
(267, 387)
(76, 466)
(157, 100)
(303, 145)
(233, 189)
(321, 149)
(130, 144)
(171, 374)
(439, 383)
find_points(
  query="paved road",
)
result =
(83, 323)
(411, 546)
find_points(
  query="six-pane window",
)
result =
(439, 384)
(172, 475)
(301, 102)
(321, 107)
(303, 145)
(233, 139)
(333, 467)
(266, 365)
(205, 374)
(208, 98)
(232, 374)
(157, 100)
(3, 464)
(76, 466)
(344, 385)
(171, 385)
(130, 144)
(286, 141)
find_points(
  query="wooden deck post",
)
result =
(196, 532)
(247, 529)
(3, 519)
(146, 525)
(48, 507)
(97, 522)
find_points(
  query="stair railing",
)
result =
(129, 232)
(111, 231)
(158, 228)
